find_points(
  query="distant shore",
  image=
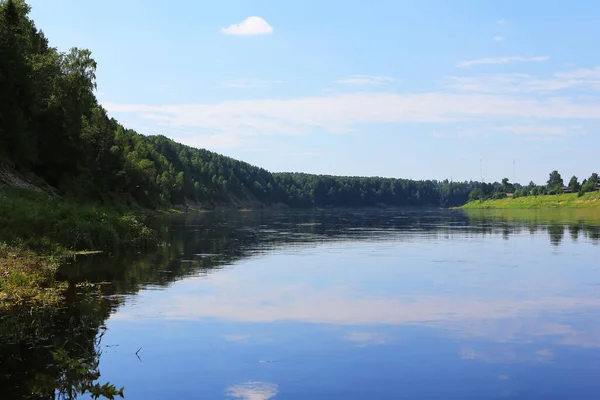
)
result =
(570, 200)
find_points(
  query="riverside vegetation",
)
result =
(552, 195)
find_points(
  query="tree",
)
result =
(16, 89)
(574, 184)
(555, 183)
(506, 186)
(590, 184)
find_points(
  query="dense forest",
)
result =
(52, 125)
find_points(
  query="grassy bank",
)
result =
(570, 200)
(38, 232)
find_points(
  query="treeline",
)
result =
(51, 124)
(554, 185)
(305, 190)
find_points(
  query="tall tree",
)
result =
(16, 92)
(555, 183)
(506, 186)
(591, 183)
(574, 184)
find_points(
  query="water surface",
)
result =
(354, 304)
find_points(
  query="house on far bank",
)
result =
(509, 195)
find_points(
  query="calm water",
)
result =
(341, 305)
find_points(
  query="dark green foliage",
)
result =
(54, 352)
(591, 184)
(506, 186)
(555, 183)
(304, 190)
(574, 185)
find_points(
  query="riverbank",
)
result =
(38, 232)
(569, 200)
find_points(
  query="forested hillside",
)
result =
(51, 124)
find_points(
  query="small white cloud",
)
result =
(365, 80)
(541, 132)
(501, 22)
(250, 83)
(498, 38)
(249, 26)
(500, 60)
(305, 154)
(583, 78)
(580, 74)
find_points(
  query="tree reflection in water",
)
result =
(54, 353)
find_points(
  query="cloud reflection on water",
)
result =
(252, 391)
(498, 319)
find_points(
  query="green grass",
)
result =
(27, 278)
(570, 200)
(537, 216)
(52, 225)
(37, 233)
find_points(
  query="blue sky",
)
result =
(413, 89)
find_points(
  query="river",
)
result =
(344, 304)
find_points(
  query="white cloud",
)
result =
(506, 83)
(341, 112)
(250, 83)
(222, 140)
(581, 74)
(249, 26)
(495, 99)
(500, 60)
(541, 132)
(365, 80)
(584, 78)
(305, 154)
(460, 134)
(501, 22)
(235, 123)
(498, 38)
